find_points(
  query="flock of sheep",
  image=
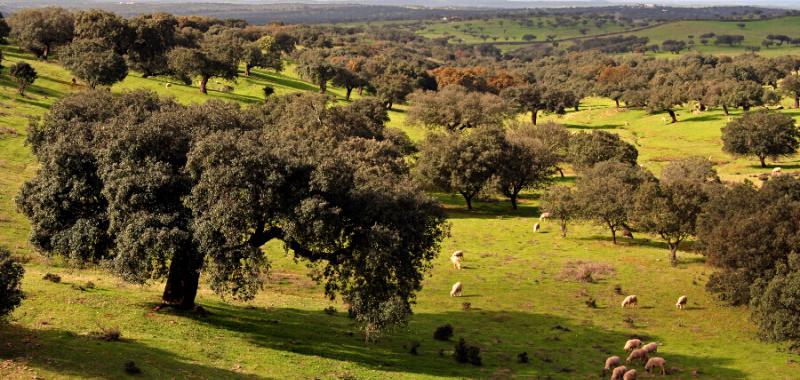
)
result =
(633, 346)
(637, 352)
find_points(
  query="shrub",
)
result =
(414, 346)
(583, 271)
(591, 302)
(131, 368)
(10, 277)
(112, 334)
(52, 278)
(464, 353)
(268, 91)
(444, 332)
(330, 310)
(618, 289)
(466, 306)
(522, 357)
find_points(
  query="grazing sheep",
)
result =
(632, 344)
(536, 227)
(456, 290)
(656, 362)
(637, 354)
(612, 361)
(618, 372)
(456, 260)
(545, 215)
(681, 302)
(630, 375)
(776, 171)
(168, 85)
(630, 300)
(651, 347)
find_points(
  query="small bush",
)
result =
(131, 368)
(88, 285)
(522, 357)
(444, 332)
(618, 289)
(583, 271)
(414, 346)
(268, 91)
(54, 278)
(464, 353)
(629, 322)
(591, 302)
(11, 273)
(112, 334)
(330, 310)
(466, 306)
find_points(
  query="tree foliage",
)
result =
(455, 108)
(11, 273)
(160, 190)
(94, 61)
(39, 30)
(588, 149)
(24, 74)
(762, 134)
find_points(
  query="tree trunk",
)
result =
(725, 109)
(468, 199)
(563, 228)
(613, 233)
(513, 198)
(533, 116)
(745, 107)
(560, 171)
(45, 52)
(672, 115)
(204, 84)
(702, 106)
(323, 87)
(763, 162)
(577, 105)
(797, 101)
(673, 254)
(360, 90)
(616, 101)
(347, 95)
(182, 281)
(389, 105)
(247, 70)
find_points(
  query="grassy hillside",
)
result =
(754, 32)
(511, 278)
(506, 30)
(502, 31)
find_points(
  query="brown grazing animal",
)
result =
(656, 362)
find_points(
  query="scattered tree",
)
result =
(762, 134)
(94, 61)
(24, 74)
(39, 30)
(11, 273)
(560, 202)
(587, 149)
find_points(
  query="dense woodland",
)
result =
(155, 190)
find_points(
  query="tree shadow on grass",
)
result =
(558, 347)
(74, 355)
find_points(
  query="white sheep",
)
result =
(632, 344)
(630, 300)
(629, 375)
(651, 347)
(776, 171)
(536, 227)
(618, 372)
(656, 362)
(681, 302)
(612, 361)
(456, 290)
(456, 259)
(637, 354)
(544, 216)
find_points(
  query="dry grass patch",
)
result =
(586, 271)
